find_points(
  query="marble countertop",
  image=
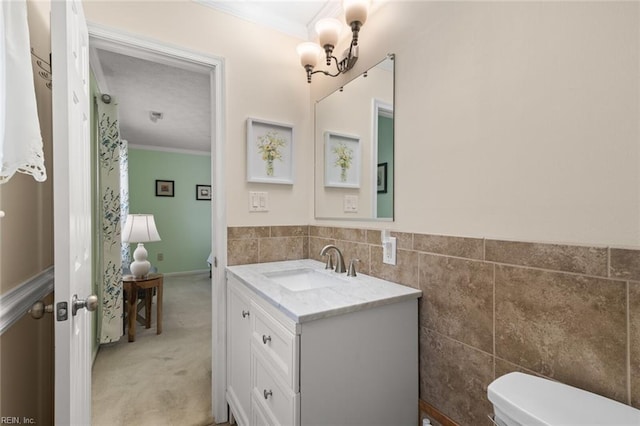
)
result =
(350, 295)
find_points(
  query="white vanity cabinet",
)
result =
(355, 367)
(238, 352)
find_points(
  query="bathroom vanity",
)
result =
(307, 346)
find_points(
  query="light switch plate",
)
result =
(350, 204)
(258, 201)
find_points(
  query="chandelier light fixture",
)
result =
(328, 30)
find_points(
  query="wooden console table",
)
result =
(131, 286)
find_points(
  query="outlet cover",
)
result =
(160, 257)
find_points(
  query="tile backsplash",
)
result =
(566, 312)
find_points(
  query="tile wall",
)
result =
(489, 307)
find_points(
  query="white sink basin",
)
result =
(304, 279)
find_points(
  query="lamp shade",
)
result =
(328, 30)
(140, 228)
(355, 11)
(308, 53)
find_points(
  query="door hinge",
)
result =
(215, 262)
(62, 313)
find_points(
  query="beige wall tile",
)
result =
(280, 248)
(568, 327)
(625, 264)
(634, 341)
(404, 239)
(239, 232)
(404, 272)
(458, 299)
(242, 252)
(350, 234)
(454, 378)
(290, 231)
(316, 244)
(351, 250)
(321, 231)
(504, 367)
(471, 248)
(578, 259)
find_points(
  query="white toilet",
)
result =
(524, 400)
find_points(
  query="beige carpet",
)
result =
(160, 379)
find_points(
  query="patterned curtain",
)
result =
(124, 197)
(110, 207)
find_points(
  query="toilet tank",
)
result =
(523, 400)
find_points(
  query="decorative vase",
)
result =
(269, 167)
(343, 174)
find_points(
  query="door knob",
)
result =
(90, 303)
(38, 309)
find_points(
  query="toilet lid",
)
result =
(533, 401)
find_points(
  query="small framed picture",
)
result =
(382, 178)
(203, 192)
(164, 188)
(269, 152)
(341, 160)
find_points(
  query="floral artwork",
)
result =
(342, 161)
(269, 152)
(269, 146)
(344, 155)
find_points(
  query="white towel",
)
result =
(20, 137)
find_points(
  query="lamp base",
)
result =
(140, 269)
(140, 266)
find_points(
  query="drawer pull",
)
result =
(267, 393)
(266, 339)
(245, 314)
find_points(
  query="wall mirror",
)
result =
(354, 148)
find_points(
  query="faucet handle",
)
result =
(352, 268)
(329, 264)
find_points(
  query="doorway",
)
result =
(126, 44)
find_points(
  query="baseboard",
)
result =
(186, 273)
(436, 414)
(16, 302)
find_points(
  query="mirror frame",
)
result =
(378, 105)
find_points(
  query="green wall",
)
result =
(385, 155)
(184, 223)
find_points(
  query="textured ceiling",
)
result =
(140, 86)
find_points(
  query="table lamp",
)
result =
(140, 228)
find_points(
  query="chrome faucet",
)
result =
(340, 268)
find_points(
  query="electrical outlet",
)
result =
(389, 251)
(160, 257)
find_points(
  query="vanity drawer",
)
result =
(277, 402)
(278, 345)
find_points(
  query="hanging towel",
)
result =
(20, 137)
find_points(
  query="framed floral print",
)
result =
(341, 160)
(269, 152)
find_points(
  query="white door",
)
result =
(72, 211)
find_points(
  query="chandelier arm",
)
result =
(327, 72)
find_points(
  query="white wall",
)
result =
(263, 80)
(516, 120)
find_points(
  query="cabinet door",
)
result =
(238, 347)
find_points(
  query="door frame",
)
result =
(145, 48)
